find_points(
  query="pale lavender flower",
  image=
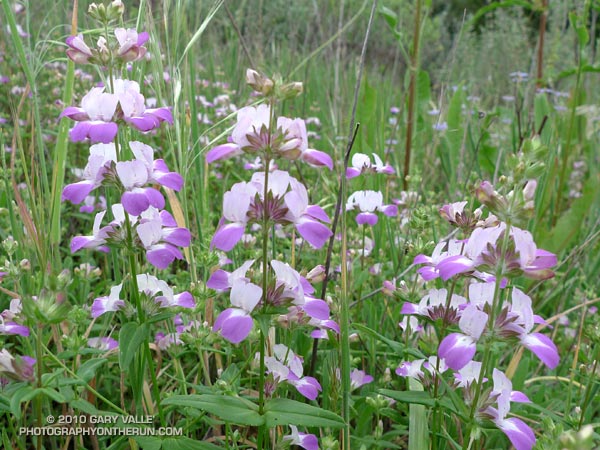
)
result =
(483, 249)
(361, 163)
(297, 141)
(130, 44)
(109, 303)
(235, 323)
(151, 286)
(93, 173)
(359, 378)
(287, 201)
(457, 349)
(368, 202)
(433, 306)
(134, 110)
(95, 117)
(517, 431)
(103, 343)
(222, 281)
(78, 50)
(19, 368)
(160, 236)
(286, 366)
(304, 440)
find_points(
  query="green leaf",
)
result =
(390, 16)
(131, 337)
(185, 443)
(231, 409)
(580, 27)
(419, 398)
(88, 369)
(395, 346)
(418, 434)
(19, 396)
(149, 442)
(423, 89)
(85, 406)
(283, 411)
(568, 226)
(50, 393)
(412, 397)
(454, 135)
(587, 68)
(495, 5)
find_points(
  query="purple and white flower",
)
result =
(109, 303)
(361, 163)
(235, 323)
(368, 202)
(305, 440)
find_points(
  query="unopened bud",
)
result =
(291, 90)
(25, 264)
(317, 274)
(97, 12)
(259, 82)
(116, 8)
(529, 190)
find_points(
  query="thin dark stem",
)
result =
(239, 33)
(334, 224)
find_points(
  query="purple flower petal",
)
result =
(219, 280)
(314, 232)
(316, 308)
(454, 265)
(227, 236)
(307, 386)
(75, 113)
(14, 328)
(367, 218)
(235, 325)
(104, 132)
(171, 180)
(352, 172)
(224, 151)
(178, 236)
(317, 158)
(543, 347)
(185, 300)
(77, 192)
(318, 213)
(457, 349)
(390, 210)
(162, 255)
(135, 202)
(518, 432)
(409, 308)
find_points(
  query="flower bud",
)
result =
(97, 12)
(529, 190)
(291, 90)
(317, 274)
(259, 82)
(116, 9)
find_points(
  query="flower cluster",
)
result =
(140, 224)
(286, 203)
(100, 112)
(490, 313)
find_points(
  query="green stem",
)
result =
(263, 437)
(487, 353)
(412, 94)
(40, 371)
